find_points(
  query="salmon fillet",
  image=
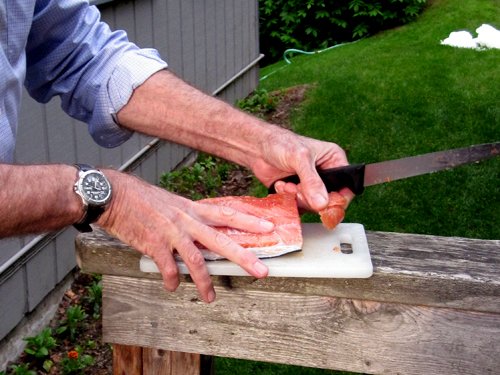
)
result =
(280, 209)
(334, 213)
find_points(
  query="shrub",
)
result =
(315, 24)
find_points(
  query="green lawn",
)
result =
(400, 93)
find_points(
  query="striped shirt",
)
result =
(60, 47)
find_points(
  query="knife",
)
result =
(357, 176)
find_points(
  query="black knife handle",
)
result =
(351, 176)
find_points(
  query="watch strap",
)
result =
(91, 216)
(84, 167)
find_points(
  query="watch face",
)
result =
(96, 188)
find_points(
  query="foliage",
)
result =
(40, 345)
(95, 295)
(74, 317)
(75, 363)
(22, 370)
(316, 24)
(259, 100)
(200, 180)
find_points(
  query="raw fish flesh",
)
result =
(334, 213)
(280, 209)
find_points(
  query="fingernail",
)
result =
(211, 296)
(266, 225)
(319, 200)
(260, 267)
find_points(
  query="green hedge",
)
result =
(316, 24)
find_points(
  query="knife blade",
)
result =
(357, 176)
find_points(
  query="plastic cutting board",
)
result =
(317, 258)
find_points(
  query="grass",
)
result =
(400, 93)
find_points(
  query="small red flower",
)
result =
(271, 101)
(73, 355)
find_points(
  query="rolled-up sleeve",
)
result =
(72, 54)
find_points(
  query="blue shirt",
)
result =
(60, 47)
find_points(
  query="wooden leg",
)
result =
(127, 360)
(185, 363)
(156, 362)
(164, 362)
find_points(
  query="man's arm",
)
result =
(41, 198)
(167, 107)
(35, 199)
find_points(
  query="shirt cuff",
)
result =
(133, 69)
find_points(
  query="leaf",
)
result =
(43, 352)
(47, 365)
(30, 351)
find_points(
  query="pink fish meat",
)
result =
(280, 209)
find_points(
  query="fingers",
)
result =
(168, 268)
(195, 262)
(225, 216)
(348, 195)
(224, 246)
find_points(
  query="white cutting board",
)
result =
(317, 258)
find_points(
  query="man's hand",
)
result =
(157, 222)
(286, 153)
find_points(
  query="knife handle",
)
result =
(351, 176)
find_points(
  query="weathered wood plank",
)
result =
(408, 268)
(127, 360)
(156, 361)
(313, 331)
(185, 363)
(165, 362)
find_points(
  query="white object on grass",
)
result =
(488, 37)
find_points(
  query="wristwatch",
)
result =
(95, 189)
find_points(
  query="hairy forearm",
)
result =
(167, 107)
(36, 199)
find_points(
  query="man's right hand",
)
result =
(157, 222)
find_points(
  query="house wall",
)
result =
(211, 44)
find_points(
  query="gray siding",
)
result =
(205, 42)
